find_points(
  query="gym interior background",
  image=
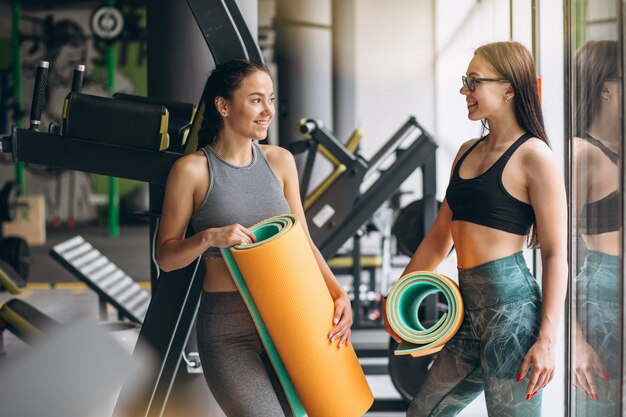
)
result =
(351, 64)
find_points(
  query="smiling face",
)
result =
(250, 110)
(489, 98)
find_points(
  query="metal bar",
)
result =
(113, 212)
(98, 158)
(164, 332)
(102, 308)
(219, 30)
(326, 138)
(568, 134)
(251, 45)
(535, 34)
(429, 187)
(308, 170)
(419, 153)
(356, 278)
(391, 145)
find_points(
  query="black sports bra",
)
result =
(601, 216)
(484, 200)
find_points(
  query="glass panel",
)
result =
(596, 90)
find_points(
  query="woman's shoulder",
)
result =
(192, 165)
(537, 158)
(535, 149)
(277, 154)
(584, 149)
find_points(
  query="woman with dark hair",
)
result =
(596, 152)
(228, 185)
(506, 189)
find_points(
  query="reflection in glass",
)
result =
(596, 151)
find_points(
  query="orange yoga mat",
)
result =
(285, 292)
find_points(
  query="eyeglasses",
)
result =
(471, 82)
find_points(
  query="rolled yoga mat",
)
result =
(283, 287)
(403, 303)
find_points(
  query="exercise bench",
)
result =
(101, 275)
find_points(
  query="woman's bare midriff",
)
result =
(475, 244)
(609, 243)
(217, 278)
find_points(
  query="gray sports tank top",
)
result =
(244, 195)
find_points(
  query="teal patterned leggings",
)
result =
(502, 314)
(597, 301)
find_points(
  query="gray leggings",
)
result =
(234, 362)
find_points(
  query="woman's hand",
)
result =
(541, 358)
(587, 365)
(388, 328)
(227, 236)
(342, 320)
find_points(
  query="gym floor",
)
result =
(55, 292)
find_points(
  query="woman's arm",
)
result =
(437, 243)
(284, 166)
(546, 191)
(435, 246)
(186, 185)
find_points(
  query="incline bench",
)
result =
(111, 284)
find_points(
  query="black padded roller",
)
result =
(77, 78)
(39, 94)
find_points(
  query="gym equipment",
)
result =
(180, 116)
(119, 122)
(403, 303)
(17, 316)
(287, 296)
(357, 192)
(10, 279)
(366, 299)
(25, 321)
(409, 227)
(15, 252)
(77, 78)
(39, 94)
(101, 275)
